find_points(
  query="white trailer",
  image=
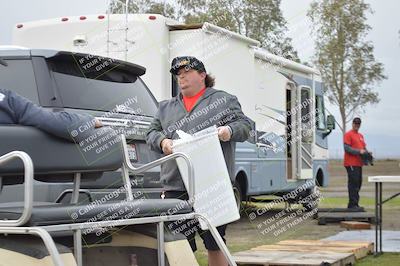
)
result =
(283, 98)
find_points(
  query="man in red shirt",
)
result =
(354, 147)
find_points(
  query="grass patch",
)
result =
(201, 258)
(366, 202)
(386, 259)
(201, 253)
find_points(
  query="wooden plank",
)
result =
(305, 248)
(327, 217)
(359, 248)
(334, 243)
(328, 243)
(335, 217)
(338, 210)
(354, 225)
(255, 257)
(359, 252)
(347, 214)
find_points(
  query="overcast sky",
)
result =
(386, 39)
(380, 123)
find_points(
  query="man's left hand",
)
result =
(97, 123)
(224, 134)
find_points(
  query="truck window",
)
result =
(18, 76)
(101, 91)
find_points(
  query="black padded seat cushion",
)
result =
(53, 156)
(29, 245)
(53, 214)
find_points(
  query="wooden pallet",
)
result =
(267, 258)
(355, 225)
(359, 248)
(336, 217)
(305, 252)
(338, 210)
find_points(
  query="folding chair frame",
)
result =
(15, 226)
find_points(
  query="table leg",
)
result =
(380, 217)
(376, 219)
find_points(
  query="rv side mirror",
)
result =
(330, 125)
(330, 122)
(253, 133)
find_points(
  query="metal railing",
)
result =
(128, 167)
(28, 186)
(14, 226)
(11, 227)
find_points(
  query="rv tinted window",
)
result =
(102, 91)
(305, 106)
(18, 76)
(320, 112)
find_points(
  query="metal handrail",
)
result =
(10, 226)
(28, 186)
(146, 220)
(127, 163)
(43, 234)
(218, 239)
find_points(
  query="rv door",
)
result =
(299, 132)
(305, 132)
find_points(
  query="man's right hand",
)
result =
(362, 151)
(166, 146)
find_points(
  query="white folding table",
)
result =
(378, 180)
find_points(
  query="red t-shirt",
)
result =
(356, 141)
(191, 101)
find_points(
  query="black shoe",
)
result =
(356, 209)
(361, 208)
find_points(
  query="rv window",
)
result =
(320, 112)
(18, 76)
(305, 106)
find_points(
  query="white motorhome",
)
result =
(283, 98)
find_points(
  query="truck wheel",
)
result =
(237, 192)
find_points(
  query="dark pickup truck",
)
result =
(108, 89)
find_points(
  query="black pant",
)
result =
(354, 183)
